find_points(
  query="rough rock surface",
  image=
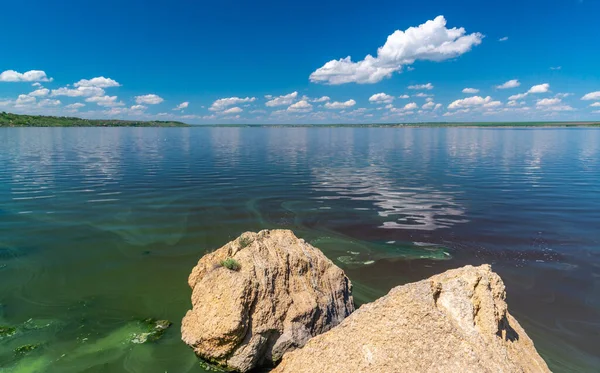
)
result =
(285, 292)
(453, 322)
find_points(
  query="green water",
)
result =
(101, 227)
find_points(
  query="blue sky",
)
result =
(286, 62)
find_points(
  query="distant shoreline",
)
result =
(17, 120)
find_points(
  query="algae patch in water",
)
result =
(7, 331)
(154, 330)
(22, 350)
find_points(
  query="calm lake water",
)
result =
(101, 227)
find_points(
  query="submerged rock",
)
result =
(260, 296)
(453, 322)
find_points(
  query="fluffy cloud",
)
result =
(223, 103)
(183, 105)
(503, 39)
(410, 106)
(78, 92)
(592, 96)
(29, 76)
(40, 92)
(233, 110)
(300, 107)
(475, 101)
(107, 101)
(514, 83)
(150, 99)
(281, 100)
(138, 108)
(470, 90)
(340, 105)
(404, 96)
(540, 88)
(100, 82)
(595, 104)
(381, 98)
(321, 99)
(75, 106)
(548, 102)
(24, 100)
(431, 41)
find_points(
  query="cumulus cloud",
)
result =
(49, 102)
(107, 101)
(321, 99)
(592, 96)
(40, 92)
(404, 96)
(381, 98)
(514, 83)
(474, 101)
(427, 86)
(75, 106)
(410, 106)
(183, 105)
(300, 107)
(138, 108)
(340, 105)
(595, 104)
(421, 94)
(78, 92)
(100, 82)
(470, 90)
(281, 100)
(150, 99)
(29, 76)
(548, 102)
(540, 88)
(223, 103)
(233, 110)
(25, 100)
(431, 41)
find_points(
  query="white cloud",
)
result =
(427, 86)
(281, 100)
(548, 102)
(540, 88)
(224, 103)
(49, 102)
(470, 90)
(592, 96)
(503, 39)
(428, 105)
(595, 104)
(410, 106)
(138, 108)
(431, 41)
(104, 100)
(340, 105)
(40, 92)
(183, 105)
(300, 107)
(100, 82)
(555, 68)
(25, 100)
(29, 76)
(563, 95)
(78, 92)
(233, 110)
(75, 106)
(36, 84)
(474, 101)
(321, 99)
(514, 83)
(381, 98)
(150, 99)
(421, 94)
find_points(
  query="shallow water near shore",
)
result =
(100, 227)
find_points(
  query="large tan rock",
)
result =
(285, 292)
(453, 322)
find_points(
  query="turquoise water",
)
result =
(100, 228)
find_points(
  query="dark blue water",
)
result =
(100, 227)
